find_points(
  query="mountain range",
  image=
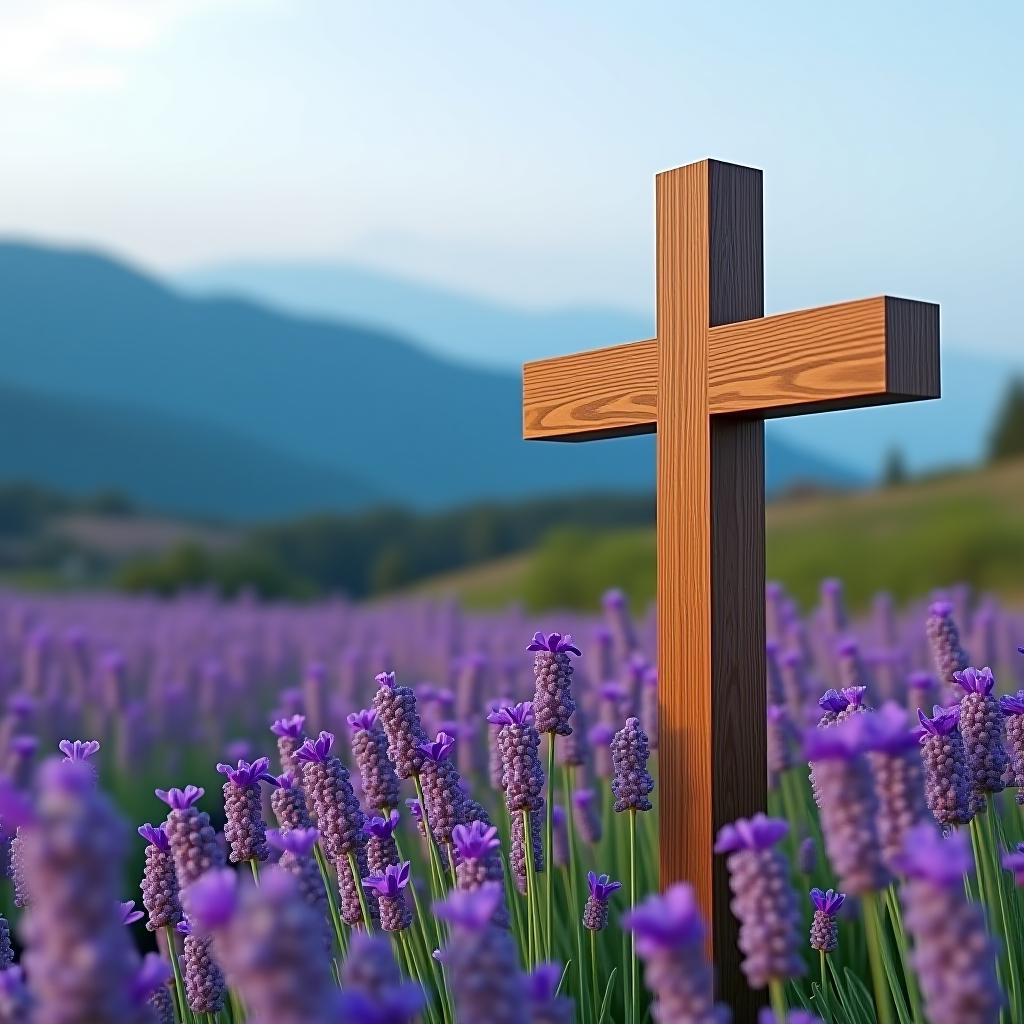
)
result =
(223, 407)
(931, 435)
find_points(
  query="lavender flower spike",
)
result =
(245, 829)
(480, 960)
(79, 959)
(370, 749)
(196, 851)
(398, 714)
(893, 752)
(553, 704)
(395, 913)
(947, 783)
(288, 802)
(631, 781)
(947, 929)
(374, 992)
(270, 945)
(1013, 715)
(848, 806)
(296, 846)
(546, 1006)
(289, 735)
(327, 783)
(763, 900)
(825, 927)
(948, 656)
(595, 912)
(478, 862)
(981, 726)
(670, 940)
(519, 742)
(159, 882)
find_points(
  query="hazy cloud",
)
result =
(83, 45)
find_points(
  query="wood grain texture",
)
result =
(737, 749)
(852, 354)
(608, 392)
(710, 546)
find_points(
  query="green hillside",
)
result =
(909, 539)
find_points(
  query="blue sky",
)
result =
(509, 149)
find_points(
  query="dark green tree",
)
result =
(1007, 439)
(894, 472)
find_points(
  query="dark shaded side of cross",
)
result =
(717, 369)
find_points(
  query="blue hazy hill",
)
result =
(337, 414)
(931, 434)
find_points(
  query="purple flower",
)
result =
(848, 805)
(155, 835)
(824, 927)
(1013, 704)
(385, 679)
(129, 915)
(400, 718)
(439, 749)
(973, 680)
(763, 899)
(670, 940)
(297, 841)
(512, 714)
(942, 723)
(211, 900)
(834, 701)
(1014, 861)
(553, 703)
(929, 856)
(291, 727)
(480, 960)
(947, 929)
(631, 781)
(79, 750)
(179, 799)
(556, 643)
(391, 883)
(383, 828)
(546, 1005)
(475, 840)
(153, 974)
(362, 720)
(757, 833)
(315, 751)
(829, 901)
(248, 774)
(595, 912)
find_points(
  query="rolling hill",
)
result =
(501, 336)
(241, 411)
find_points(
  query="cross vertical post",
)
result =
(711, 574)
(717, 369)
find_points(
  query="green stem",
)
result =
(549, 880)
(332, 903)
(532, 907)
(593, 975)
(435, 860)
(873, 928)
(909, 975)
(777, 998)
(179, 985)
(634, 968)
(361, 893)
(574, 878)
(255, 870)
(824, 979)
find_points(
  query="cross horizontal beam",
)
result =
(868, 352)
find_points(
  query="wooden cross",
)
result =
(717, 369)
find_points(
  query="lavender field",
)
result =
(405, 812)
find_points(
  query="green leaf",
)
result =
(607, 995)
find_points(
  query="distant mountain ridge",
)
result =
(115, 379)
(931, 434)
